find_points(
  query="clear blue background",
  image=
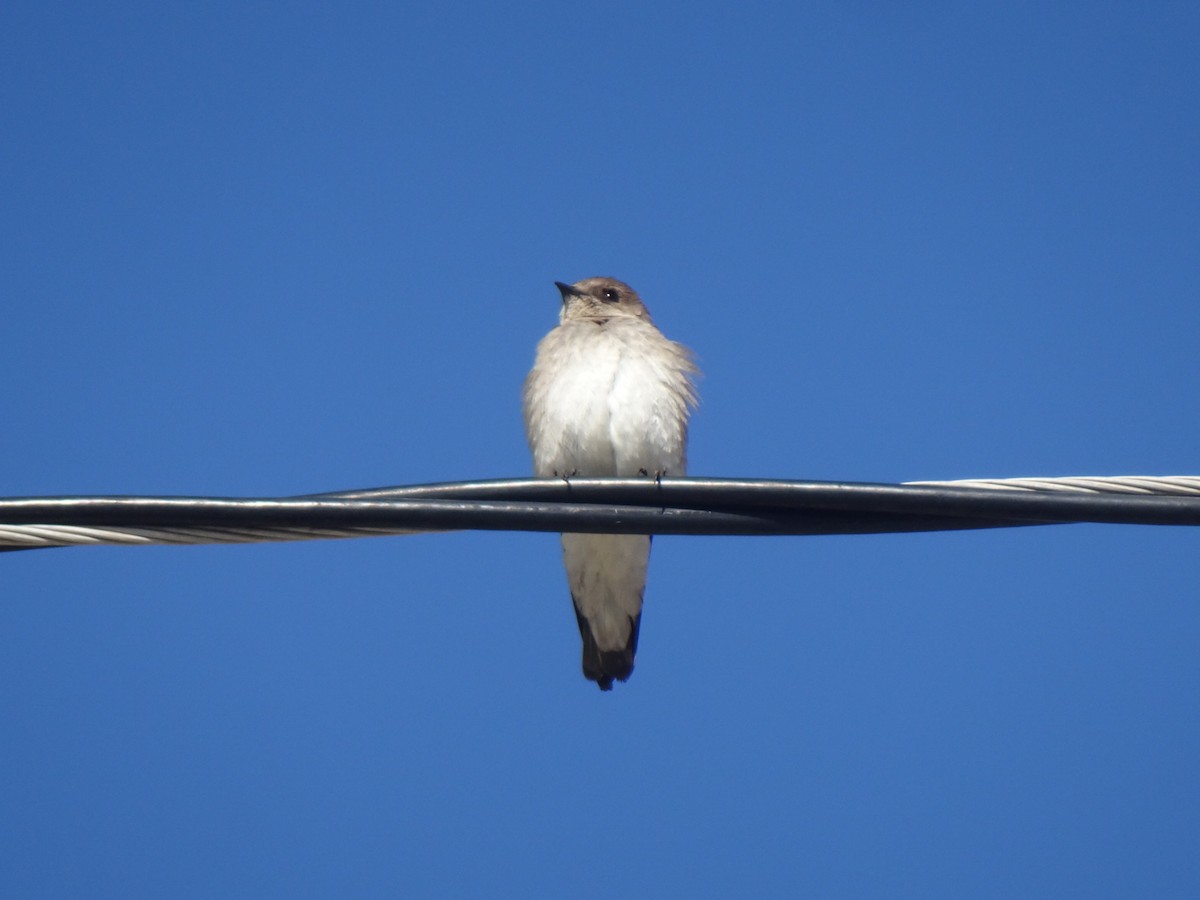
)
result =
(265, 249)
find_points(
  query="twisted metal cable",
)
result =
(604, 505)
(1185, 485)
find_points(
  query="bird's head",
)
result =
(600, 298)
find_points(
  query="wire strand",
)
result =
(700, 506)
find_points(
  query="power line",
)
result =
(701, 506)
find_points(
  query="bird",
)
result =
(608, 395)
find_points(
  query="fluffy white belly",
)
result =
(617, 404)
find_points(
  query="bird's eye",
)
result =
(610, 295)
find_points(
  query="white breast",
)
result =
(608, 399)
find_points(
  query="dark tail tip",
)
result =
(605, 666)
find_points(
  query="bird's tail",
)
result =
(603, 666)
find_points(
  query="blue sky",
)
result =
(269, 249)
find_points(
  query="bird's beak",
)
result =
(567, 290)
